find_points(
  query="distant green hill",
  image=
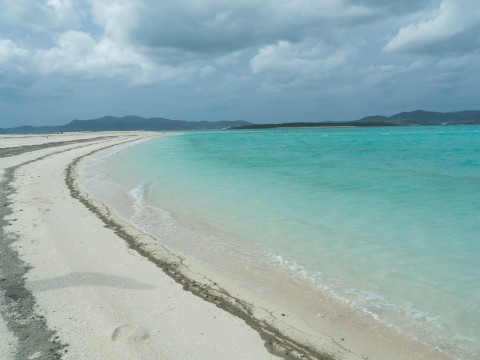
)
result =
(110, 123)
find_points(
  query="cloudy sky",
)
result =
(263, 61)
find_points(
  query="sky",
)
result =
(261, 61)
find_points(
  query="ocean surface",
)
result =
(385, 220)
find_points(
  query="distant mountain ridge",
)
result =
(411, 118)
(126, 123)
(422, 117)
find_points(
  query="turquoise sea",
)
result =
(386, 220)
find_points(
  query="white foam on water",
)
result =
(405, 318)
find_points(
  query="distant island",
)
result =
(125, 123)
(412, 118)
(131, 123)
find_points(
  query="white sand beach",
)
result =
(78, 282)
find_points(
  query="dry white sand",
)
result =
(107, 298)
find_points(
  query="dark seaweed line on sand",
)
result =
(275, 341)
(17, 150)
(17, 304)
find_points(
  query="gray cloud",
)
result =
(219, 27)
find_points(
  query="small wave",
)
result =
(293, 266)
(404, 318)
(417, 314)
(138, 195)
(147, 217)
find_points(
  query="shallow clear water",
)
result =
(387, 219)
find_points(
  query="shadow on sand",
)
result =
(88, 279)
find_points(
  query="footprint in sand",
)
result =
(130, 332)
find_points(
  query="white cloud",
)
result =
(116, 17)
(453, 27)
(77, 53)
(11, 52)
(63, 11)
